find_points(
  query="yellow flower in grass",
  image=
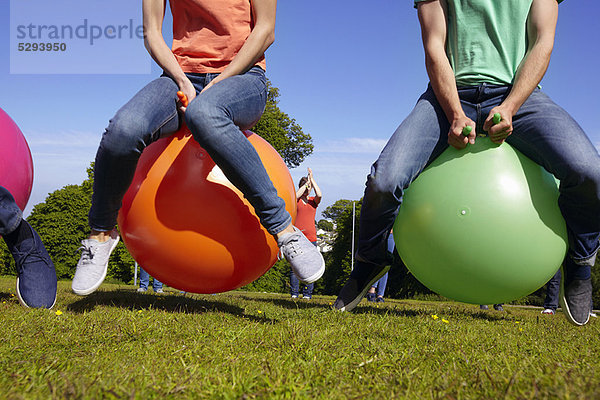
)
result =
(434, 316)
(260, 312)
(58, 312)
(445, 321)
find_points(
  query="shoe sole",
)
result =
(97, 285)
(563, 302)
(23, 301)
(350, 306)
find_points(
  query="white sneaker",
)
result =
(93, 264)
(549, 311)
(304, 257)
(593, 314)
(141, 290)
(160, 291)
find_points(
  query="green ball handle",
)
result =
(467, 130)
(496, 118)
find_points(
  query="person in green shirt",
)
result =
(485, 57)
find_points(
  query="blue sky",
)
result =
(348, 71)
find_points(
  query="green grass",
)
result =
(239, 345)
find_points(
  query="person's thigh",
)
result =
(240, 99)
(547, 134)
(150, 114)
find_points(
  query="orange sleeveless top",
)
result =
(207, 34)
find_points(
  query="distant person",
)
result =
(552, 291)
(485, 57)
(497, 307)
(217, 61)
(157, 285)
(377, 291)
(305, 221)
(36, 276)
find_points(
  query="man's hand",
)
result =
(456, 138)
(499, 131)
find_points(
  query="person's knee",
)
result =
(386, 184)
(125, 136)
(202, 116)
(585, 178)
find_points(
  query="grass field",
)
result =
(117, 343)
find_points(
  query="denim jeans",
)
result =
(543, 131)
(214, 117)
(145, 281)
(380, 285)
(10, 214)
(552, 290)
(307, 288)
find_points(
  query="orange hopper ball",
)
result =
(188, 226)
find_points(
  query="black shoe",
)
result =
(360, 281)
(575, 298)
(498, 307)
(36, 276)
(370, 296)
(484, 307)
(380, 300)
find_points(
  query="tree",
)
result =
(61, 222)
(325, 225)
(339, 260)
(282, 132)
(334, 211)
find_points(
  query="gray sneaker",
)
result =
(92, 266)
(575, 298)
(305, 258)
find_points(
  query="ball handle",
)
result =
(182, 98)
(495, 119)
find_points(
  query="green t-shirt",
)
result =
(486, 40)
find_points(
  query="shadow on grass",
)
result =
(397, 309)
(170, 303)
(6, 296)
(288, 303)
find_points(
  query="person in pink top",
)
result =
(305, 221)
(217, 60)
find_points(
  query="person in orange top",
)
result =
(217, 62)
(305, 221)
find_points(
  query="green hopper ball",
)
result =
(482, 225)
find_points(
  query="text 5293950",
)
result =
(43, 46)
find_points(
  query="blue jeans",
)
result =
(543, 131)
(214, 117)
(380, 285)
(552, 290)
(307, 288)
(10, 214)
(145, 281)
